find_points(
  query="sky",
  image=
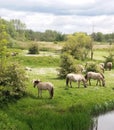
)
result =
(64, 16)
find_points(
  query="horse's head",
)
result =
(35, 82)
(85, 82)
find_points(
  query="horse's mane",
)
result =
(102, 75)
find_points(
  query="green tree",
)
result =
(67, 65)
(19, 27)
(78, 45)
(3, 44)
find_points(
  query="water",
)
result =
(104, 122)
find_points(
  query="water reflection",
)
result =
(104, 122)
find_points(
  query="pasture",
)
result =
(70, 109)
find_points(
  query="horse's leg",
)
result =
(41, 93)
(50, 93)
(38, 92)
(97, 82)
(100, 82)
(78, 84)
(70, 84)
(89, 82)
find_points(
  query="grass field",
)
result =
(70, 109)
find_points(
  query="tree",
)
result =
(19, 27)
(78, 45)
(3, 44)
(12, 76)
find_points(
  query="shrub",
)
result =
(93, 67)
(12, 81)
(67, 65)
(33, 49)
(109, 58)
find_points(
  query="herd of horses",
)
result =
(73, 77)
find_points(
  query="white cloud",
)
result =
(61, 15)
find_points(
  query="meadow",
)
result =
(70, 109)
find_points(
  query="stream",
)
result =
(104, 122)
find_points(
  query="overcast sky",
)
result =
(65, 16)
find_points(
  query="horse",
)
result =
(101, 66)
(109, 66)
(76, 78)
(96, 76)
(44, 86)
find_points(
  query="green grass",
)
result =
(70, 109)
(37, 61)
(99, 55)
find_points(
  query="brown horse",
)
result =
(76, 78)
(96, 76)
(44, 86)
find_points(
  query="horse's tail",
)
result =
(67, 80)
(52, 92)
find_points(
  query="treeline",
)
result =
(100, 37)
(17, 30)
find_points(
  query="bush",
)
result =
(67, 65)
(109, 58)
(12, 81)
(93, 67)
(33, 49)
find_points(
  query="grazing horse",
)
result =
(109, 65)
(44, 86)
(76, 78)
(81, 68)
(96, 76)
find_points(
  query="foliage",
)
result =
(78, 45)
(92, 66)
(12, 81)
(109, 58)
(7, 123)
(67, 65)
(19, 28)
(100, 37)
(33, 49)
(3, 44)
